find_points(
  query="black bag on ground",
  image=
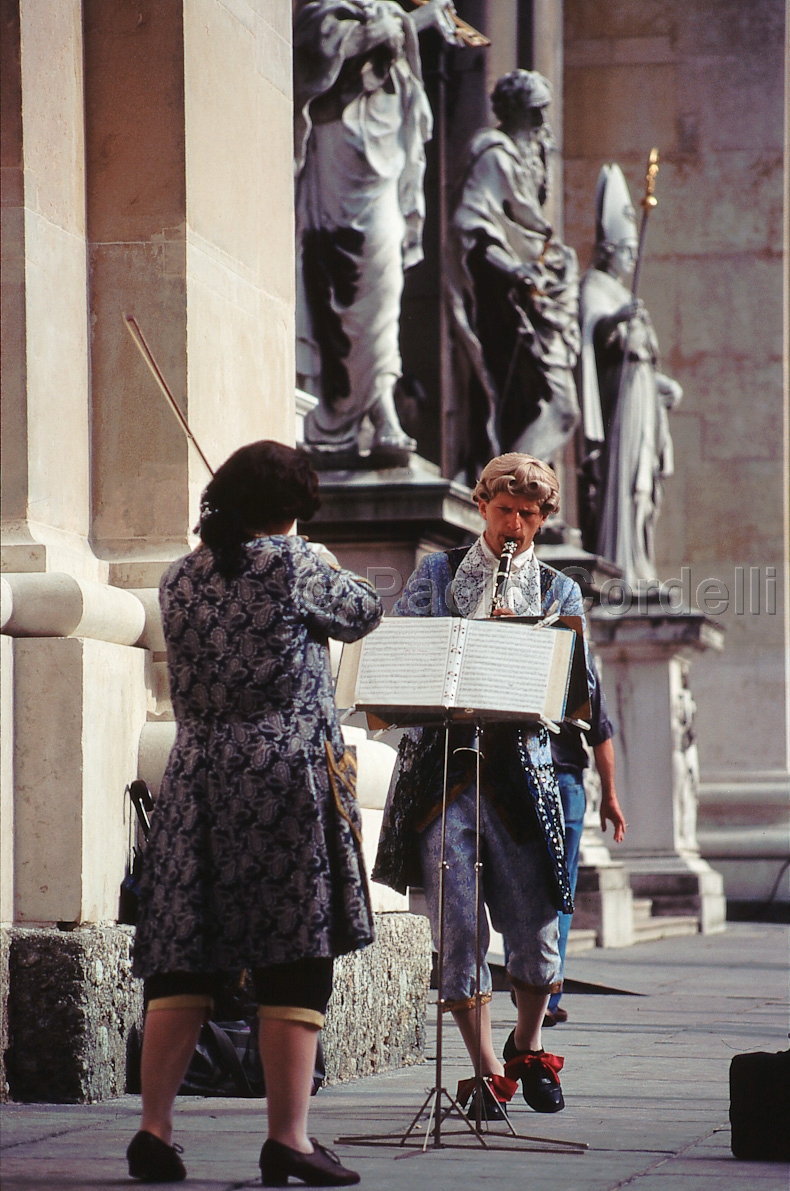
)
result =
(760, 1106)
(226, 1062)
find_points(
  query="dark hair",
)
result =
(258, 487)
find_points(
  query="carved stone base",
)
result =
(378, 523)
(604, 903)
(646, 674)
(351, 459)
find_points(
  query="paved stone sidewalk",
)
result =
(645, 1080)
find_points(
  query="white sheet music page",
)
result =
(404, 663)
(506, 667)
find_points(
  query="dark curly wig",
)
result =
(259, 487)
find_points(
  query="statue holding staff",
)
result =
(625, 398)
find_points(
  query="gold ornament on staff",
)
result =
(469, 36)
(649, 201)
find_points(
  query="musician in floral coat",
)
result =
(524, 878)
(254, 859)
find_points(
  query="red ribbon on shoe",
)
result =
(503, 1089)
(519, 1064)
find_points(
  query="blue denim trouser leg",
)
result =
(515, 889)
(574, 804)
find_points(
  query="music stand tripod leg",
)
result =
(437, 1117)
(438, 1091)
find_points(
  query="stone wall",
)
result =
(703, 81)
(377, 1015)
(73, 1003)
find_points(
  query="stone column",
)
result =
(547, 54)
(190, 221)
(647, 655)
(147, 168)
(45, 375)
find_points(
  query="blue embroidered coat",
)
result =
(254, 856)
(521, 781)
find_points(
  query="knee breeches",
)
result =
(515, 890)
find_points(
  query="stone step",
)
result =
(581, 940)
(670, 927)
(643, 908)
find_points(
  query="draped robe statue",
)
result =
(625, 398)
(362, 119)
(514, 295)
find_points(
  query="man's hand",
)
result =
(610, 811)
(610, 807)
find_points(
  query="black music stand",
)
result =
(439, 1104)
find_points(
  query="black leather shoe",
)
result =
(490, 1107)
(322, 1168)
(557, 1016)
(539, 1075)
(153, 1160)
(496, 1092)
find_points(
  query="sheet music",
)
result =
(505, 667)
(404, 656)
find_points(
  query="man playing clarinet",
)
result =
(524, 872)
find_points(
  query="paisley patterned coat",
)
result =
(521, 782)
(254, 856)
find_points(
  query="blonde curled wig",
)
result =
(519, 475)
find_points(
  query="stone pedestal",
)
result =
(604, 903)
(591, 571)
(646, 654)
(380, 523)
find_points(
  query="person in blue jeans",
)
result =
(570, 761)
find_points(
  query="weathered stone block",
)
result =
(604, 903)
(72, 1003)
(376, 1017)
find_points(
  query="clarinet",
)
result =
(502, 574)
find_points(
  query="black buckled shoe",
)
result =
(153, 1161)
(538, 1072)
(322, 1168)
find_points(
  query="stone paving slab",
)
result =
(645, 1080)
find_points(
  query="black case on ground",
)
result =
(760, 1106)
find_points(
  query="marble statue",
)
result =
(625, 398)
(362, 120)
(515, 294)
(685, 761)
